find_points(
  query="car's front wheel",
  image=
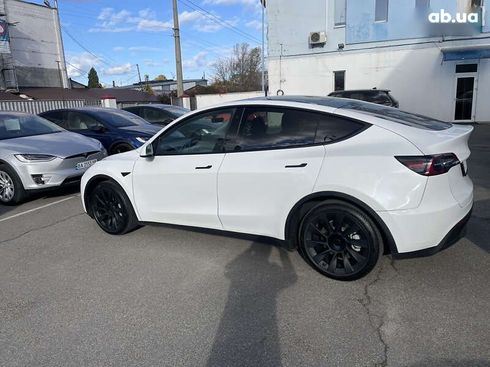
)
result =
(112, 209)
(12, 191)
(340, 241)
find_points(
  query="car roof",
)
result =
(88, 109)
(10, 113)
(361, 90)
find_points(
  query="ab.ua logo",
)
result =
(445, 17)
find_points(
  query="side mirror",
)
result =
(98, 129)
(148, 152)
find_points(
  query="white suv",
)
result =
(343, 181)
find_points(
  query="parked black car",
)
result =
(378, 96)
(118, 131)
(158, 114)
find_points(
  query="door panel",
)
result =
(169, 189)
(179, 184)
(256, 191)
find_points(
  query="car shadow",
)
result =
(247, 334)
(478, 227)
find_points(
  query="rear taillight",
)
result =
(430, 165)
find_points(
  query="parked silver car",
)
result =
(37, 154)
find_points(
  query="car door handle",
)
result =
(205, 167)
(302, 165)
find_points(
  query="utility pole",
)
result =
(178, 54)
(263, 47)
(139, 75)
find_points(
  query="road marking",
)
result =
(38, 208)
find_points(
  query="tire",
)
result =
(340, 241)
(12, 190)
(112, 209)
(121, 148)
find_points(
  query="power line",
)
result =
(84, 48)
(76, 68)
(219, 21)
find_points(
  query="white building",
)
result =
(440, 70)
(31, 52)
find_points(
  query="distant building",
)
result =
(165, 87)
(440, 70)
(31, 47)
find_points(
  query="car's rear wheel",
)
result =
(112, 209)
(340, 241)
(12, 191)
(121, 148)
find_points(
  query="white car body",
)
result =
(252, 192)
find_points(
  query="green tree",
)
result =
(93, 79)
(147, 88)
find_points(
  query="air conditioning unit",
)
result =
(318, 39)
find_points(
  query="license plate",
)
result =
(86, 164)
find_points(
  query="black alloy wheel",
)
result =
(340, 241)
(112, 209)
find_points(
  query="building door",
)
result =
(466, 87)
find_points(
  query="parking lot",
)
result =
(161, 295)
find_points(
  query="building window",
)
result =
(422, 4)
(339, 80)
(340, 10)
(381, 11)
(467, 68)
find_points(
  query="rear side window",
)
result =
(271, 127)
(275, 127)
(332, 128)
(401, 117)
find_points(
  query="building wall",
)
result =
(405, 20)
(206, 100)
(395, 55)
(36, 45)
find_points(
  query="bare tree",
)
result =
(241, 70)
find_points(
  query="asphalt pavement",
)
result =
(70, 295)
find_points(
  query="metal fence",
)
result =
(36, 107)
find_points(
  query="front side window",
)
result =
(340, 7)
(270, 128)
(381, 11)
(81, 121)
(201, 134)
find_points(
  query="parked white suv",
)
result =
(344, 181)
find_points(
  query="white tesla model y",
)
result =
(343, 181)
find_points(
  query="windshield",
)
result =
(120, 118)
(176, 111)
(19, 126)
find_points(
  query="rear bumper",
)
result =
(453, 236)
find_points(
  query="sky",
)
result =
(114, 35)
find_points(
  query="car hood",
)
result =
(142, 129)
(63, 144)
